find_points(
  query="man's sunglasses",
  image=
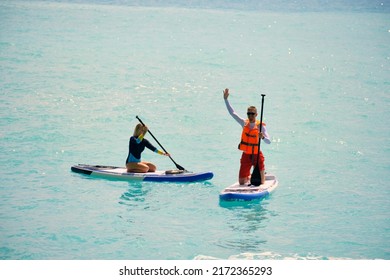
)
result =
(250, 113)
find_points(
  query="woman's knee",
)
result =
(151, 167)
(139, 168)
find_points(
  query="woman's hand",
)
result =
(144, 129)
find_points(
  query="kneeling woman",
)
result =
(137, 144)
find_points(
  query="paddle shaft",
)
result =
(256, 174)
(261, 125)
(177, 165)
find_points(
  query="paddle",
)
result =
(256, 175)
(178, 166)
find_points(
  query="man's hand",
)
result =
(226, 93)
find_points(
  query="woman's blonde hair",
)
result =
(138, 130)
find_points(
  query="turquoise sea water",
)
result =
(73, 76)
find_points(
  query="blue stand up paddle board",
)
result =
(120, 173)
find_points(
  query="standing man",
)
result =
(250, 138)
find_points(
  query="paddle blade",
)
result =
(180, 167)
(256, 176)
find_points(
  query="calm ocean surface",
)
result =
(74, 74)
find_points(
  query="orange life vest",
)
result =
(250, 138)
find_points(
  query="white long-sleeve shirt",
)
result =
(241, 122)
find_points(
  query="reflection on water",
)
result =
(249, 219)
(135, 201)
(248, 223)
(134, 194)
(245, 224)
(234, 204)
